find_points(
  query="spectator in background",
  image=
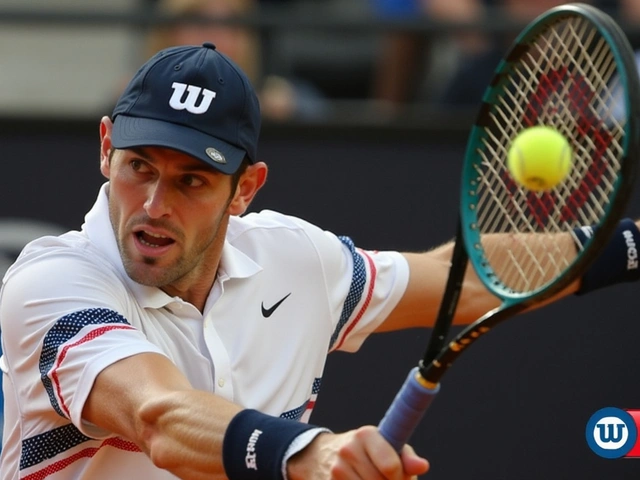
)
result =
(238, 42)
(474, 73)
(475, 54)
(280, 98)
(410, 63)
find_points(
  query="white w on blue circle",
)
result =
(611, 432)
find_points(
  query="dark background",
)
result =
(514, 407)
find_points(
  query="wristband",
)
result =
(255, 444)
(617, 263)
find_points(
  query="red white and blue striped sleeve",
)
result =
(378, 281)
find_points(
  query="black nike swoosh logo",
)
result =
(266, 312)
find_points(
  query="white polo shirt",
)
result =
(287, 293)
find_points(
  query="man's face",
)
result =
(169, 212)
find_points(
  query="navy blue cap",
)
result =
(192, 99)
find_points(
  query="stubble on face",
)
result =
(186, 263)
(192, 260)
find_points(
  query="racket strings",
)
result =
(566, 78)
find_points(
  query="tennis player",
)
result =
(173, 336)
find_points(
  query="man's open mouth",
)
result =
(153, 239)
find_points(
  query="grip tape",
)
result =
(406, 410)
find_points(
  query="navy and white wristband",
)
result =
(619, 260)
(255, 445)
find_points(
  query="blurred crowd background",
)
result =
(311, 60)
(367, 106)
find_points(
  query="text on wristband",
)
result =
(250, 458)
(632, 250)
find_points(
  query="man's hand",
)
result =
(358, 454)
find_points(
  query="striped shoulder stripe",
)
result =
(356, 293)
(54, 345)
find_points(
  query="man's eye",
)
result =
(191, 181)
(136, 165)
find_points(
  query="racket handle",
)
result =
(406, 410)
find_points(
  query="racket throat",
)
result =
(420, 377)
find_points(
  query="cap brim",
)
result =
(130, 132)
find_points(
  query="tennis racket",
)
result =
(572, 68)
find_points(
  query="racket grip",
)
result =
(406, 410)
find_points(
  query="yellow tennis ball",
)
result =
(539, 158)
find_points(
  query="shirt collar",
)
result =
(235, 264)
(97, 226)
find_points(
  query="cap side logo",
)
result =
(193, 103)
(215, 155)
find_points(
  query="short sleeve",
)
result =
(62, 324)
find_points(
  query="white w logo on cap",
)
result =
(190, 103)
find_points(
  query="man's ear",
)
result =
(250, 182)
(106, 126)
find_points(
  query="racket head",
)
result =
(573, 69)
(588, 64)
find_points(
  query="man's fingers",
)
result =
(412, 463)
